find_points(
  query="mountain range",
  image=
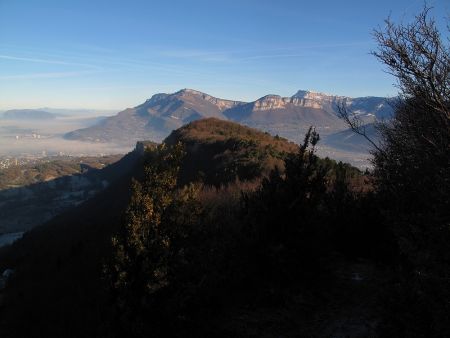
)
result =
(28, 114)
(285, 116)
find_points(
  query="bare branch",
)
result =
(355, 123)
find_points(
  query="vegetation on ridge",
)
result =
(281, 243)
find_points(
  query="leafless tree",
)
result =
(418, 57)
(412, 164)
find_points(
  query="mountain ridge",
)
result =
(289, 117)
(28, 114)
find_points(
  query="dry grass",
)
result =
(213, 130)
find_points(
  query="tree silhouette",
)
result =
(412, 167)
(142, 248)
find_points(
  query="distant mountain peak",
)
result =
(302, 93)
(188, 92)
(191, 91)
(313, 95)
(205, 96)
(155, 98)
(286, 116)
(183, 92)
(270, 97)
(28, 114)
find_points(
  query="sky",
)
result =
(116, 54)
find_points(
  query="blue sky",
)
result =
(115, 54)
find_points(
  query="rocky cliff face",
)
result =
(318, 100)
(310, 100)
(219, 103)
(286, 116)
(184, 106)
(155, 118)
(370, 106)
(379, 107)
(189, 98)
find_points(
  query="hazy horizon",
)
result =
(112, 111)
(104, 55)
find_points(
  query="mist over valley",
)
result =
(224, 169)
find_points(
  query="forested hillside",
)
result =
(72, 254)
(225, 231)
